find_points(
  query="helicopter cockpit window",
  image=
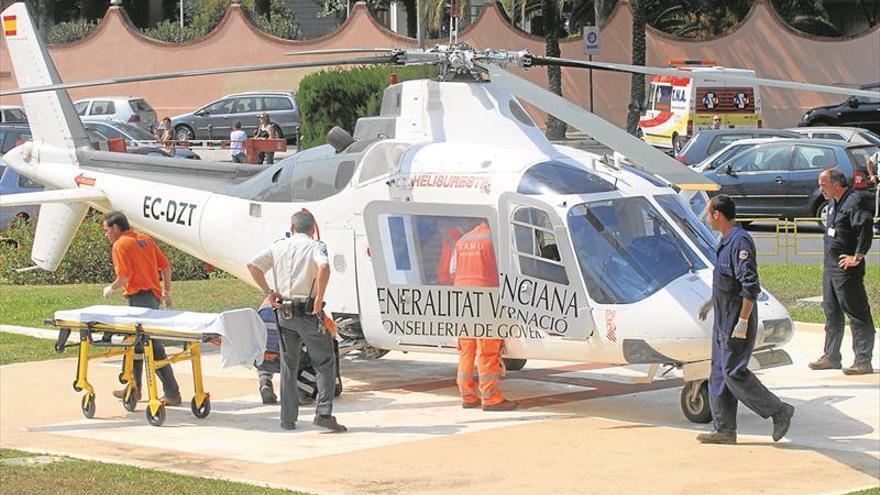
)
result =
(536, 247)
(627, 250)
(684, 217)
(561, 178)
(382, 160)
(420, 249)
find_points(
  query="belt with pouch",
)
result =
(296, 307)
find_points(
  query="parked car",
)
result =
(215, 120)
(130, 109)
(780, 179)
(707, 142)
(136, 139)
(853, 112)
(11, 182)
(848, 134)
(13, 134)
(722, 156)
(12, 114)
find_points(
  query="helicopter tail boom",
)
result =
(34, 67)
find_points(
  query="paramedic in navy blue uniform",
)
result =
(847, 241)
(735, 287)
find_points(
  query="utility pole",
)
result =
(420, 24)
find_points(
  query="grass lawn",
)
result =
(96, 478)
(792, 282)
(29, 305)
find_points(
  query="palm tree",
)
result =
(551, 21)
(637, 82)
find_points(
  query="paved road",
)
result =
(583, 428)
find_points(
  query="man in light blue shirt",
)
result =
(236, 143)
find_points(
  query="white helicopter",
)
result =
(599, 259)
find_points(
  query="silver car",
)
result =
(130, 109)
(215, 120)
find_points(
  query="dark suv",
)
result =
(780, 179)
(854, 112)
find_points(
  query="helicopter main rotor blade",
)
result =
(345, 50)
(638, 152)
(718, 75)
(389, 59)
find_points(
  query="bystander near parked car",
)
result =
(215, 120)
(129, 109)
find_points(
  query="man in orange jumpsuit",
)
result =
(451, 235)
(473, 265)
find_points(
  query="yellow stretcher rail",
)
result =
(134, 334)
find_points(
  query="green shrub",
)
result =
(202, 16)
(87, 260)
(339, 97)
(66, 32)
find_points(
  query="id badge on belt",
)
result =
(830, 231)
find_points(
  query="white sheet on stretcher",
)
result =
(243, 332)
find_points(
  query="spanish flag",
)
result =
(9, 25)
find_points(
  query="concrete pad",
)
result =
(582, 428)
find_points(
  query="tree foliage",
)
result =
(66, 32)
(340, 96)
(200, 17)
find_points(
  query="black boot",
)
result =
(267, 393)
(723, 437)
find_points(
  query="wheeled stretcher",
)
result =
(240, 334)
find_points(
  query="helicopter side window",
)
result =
(420, 249)
(536, 246)
(382, 160)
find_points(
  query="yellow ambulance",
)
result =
(678, 107)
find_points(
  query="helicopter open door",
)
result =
(540, 282)
(421, 303)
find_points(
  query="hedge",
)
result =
(339, 97)
(87, 260)
(67, 32)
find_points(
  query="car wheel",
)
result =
(822, 213)
(183, 133)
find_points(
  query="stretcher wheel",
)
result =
(201, 412)
(76, 388)
(131, 400)
(514, 364)
(695, 404)
(158, 419)
(88, 405)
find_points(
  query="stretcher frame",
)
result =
(134, 335)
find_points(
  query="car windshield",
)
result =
(627, 250)
(870, 137)
(688, 222)
(860, 155)
(135, 132)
